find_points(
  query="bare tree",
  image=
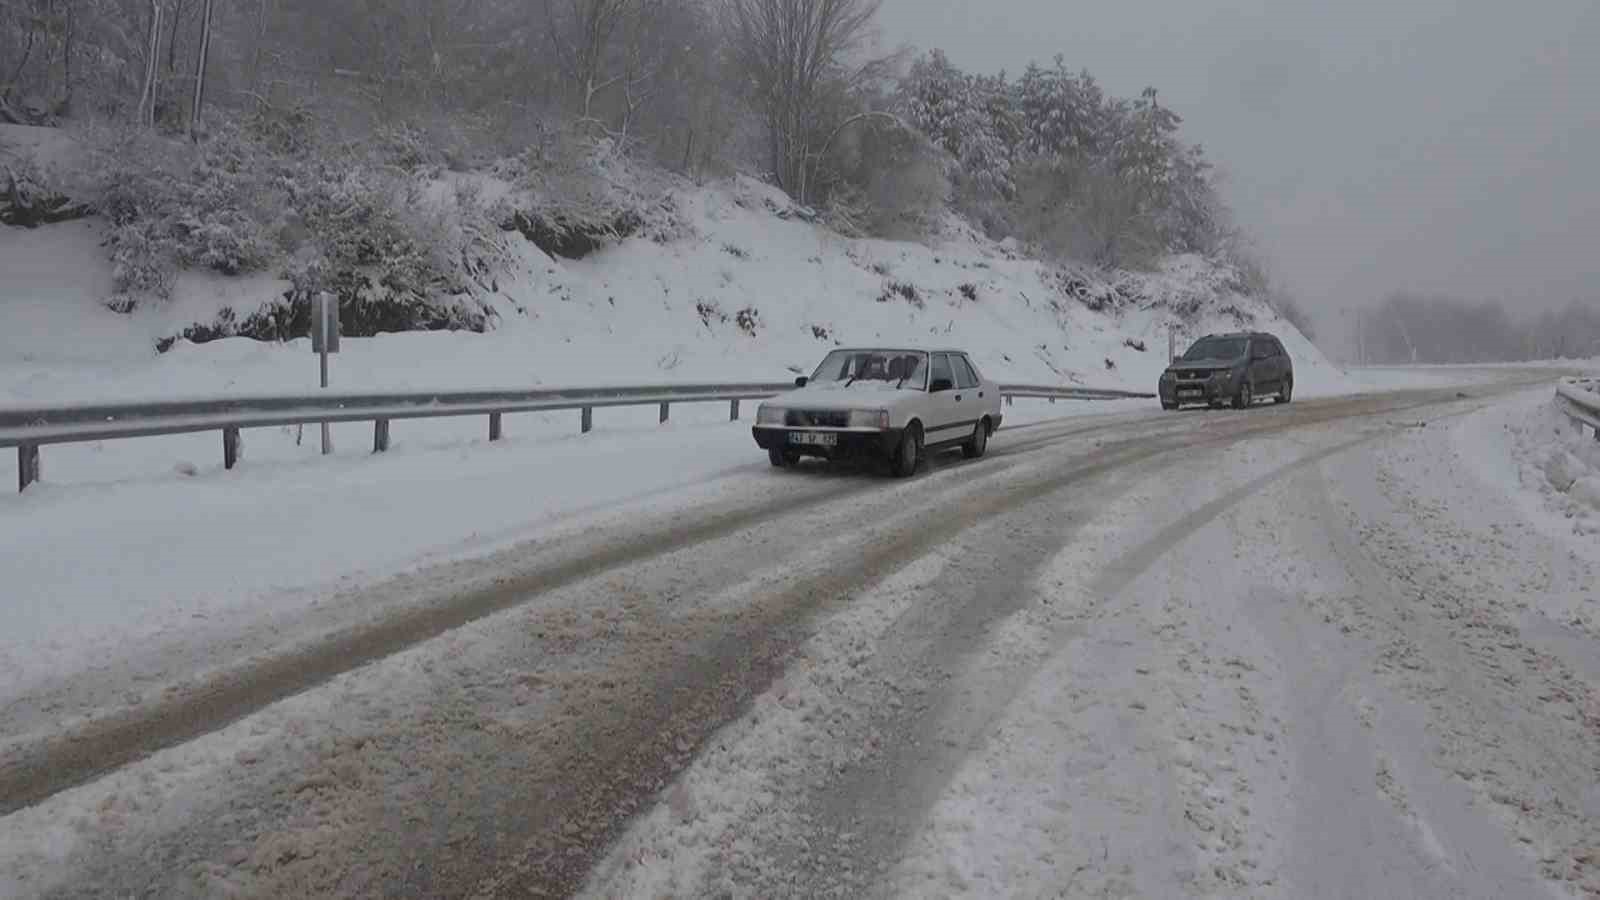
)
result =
(791, 50)
(582, 32)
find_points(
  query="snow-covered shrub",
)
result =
(576, 193)
(1079, 211)
(891, 181)
(173, 205)
(31, 195)
(710, 311)
(902, 290)
(748, 320)
(293, 131)
(397, 256)
(403, 146)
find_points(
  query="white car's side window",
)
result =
(966, 378)
(941, 370)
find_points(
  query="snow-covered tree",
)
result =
(1063, 113)
(968, 117)
(936, 99)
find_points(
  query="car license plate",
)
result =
(813, 438)
(1191, 392)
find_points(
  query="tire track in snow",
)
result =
(830, 853)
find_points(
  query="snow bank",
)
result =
(1536, 453)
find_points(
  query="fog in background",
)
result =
(1432, 147)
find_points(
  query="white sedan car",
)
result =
(896, 405)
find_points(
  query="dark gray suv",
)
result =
(1229, 368)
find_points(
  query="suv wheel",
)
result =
(908, 455)
(1245, 397)
(1287, 392)
(979, 445)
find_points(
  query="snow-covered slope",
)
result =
(747, 290)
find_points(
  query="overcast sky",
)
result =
(1430, 145)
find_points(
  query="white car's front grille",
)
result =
(817, 418)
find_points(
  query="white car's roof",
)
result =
(886, 348)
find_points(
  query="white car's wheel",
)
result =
(979, 443)
(908, 455)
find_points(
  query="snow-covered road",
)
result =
(1303, 651)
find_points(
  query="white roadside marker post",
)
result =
(325, 340)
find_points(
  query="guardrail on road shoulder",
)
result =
(30, 429)
(1580, 401)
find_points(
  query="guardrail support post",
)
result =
(588, 419)
(380, 436)
(733, 410)
(230, 447)
(494, 427)
(27, 466)
(664, 412)
(1009, 399)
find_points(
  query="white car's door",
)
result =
(945, 398)
(971, 394)
(988, 392)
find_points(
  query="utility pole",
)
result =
(1361, 342)
(200, 71)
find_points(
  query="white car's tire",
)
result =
(978, 445)
(908, 455)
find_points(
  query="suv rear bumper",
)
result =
(848, 444)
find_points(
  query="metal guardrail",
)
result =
(1052, 392)
(29, 429)
(1580, 400)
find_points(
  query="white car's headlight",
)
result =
(769, 415)
(869, 418)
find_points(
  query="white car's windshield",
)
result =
(906, 369)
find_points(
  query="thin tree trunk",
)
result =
(66, 58)
(200, 72)
(152, 65)
(172, 39)
(261, 40)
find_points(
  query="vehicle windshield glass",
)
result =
(1216, 348)
(897, 368)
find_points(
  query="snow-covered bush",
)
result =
(891, 182)
(174, 205)
(399, 250)
(1075, 211)
(389, 247)
(32, 195)
(575, 193)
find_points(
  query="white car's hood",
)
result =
(861, 395)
